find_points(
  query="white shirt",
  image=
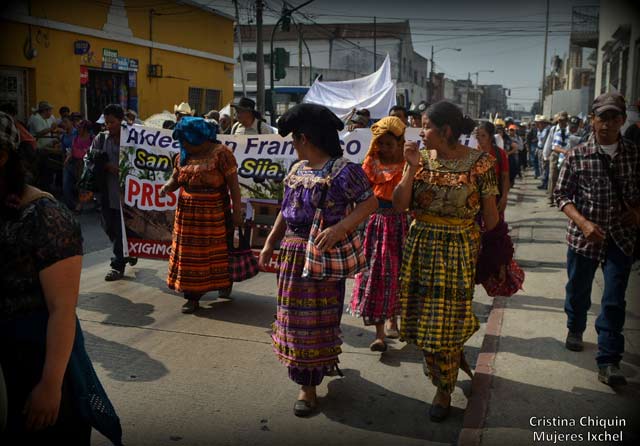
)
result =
(611, 149)
(239, 129)
(37, 124)
(548, 145)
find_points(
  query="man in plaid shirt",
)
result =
(602, 230)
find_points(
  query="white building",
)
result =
(618, 65)
(338, 51)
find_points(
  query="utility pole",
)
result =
(375, 41)
(299, 54)
(431, 80)
(239, 34)
(544, 62)
(468, 91)
(260, 58)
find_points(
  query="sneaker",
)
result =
(574, 342)
(611, 375)
(133, 261)
(114, 275)
(542, 186)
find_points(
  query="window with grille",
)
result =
(252, 77)
(195, 99)
(212, 100)
(202, 100)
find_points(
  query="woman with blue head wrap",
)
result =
(203, 228)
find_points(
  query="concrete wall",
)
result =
(573, 102)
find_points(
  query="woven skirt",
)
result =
(199, 259)
(306, 335)
(376, 291)
(437, 285)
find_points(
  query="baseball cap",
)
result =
(609, 101)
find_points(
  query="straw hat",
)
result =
(182, 109)
(541, 118)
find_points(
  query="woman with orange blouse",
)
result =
(376, 291)
(207, 172)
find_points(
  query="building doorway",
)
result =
(106, 87)
(13, 90)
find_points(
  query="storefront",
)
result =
(94, 55)
(114, 83)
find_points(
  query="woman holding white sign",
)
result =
(446, 186)
(376, 291)
(207, 172)
(306, 333)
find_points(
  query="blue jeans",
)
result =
(533, 154)
(545, 174)
(581, 271)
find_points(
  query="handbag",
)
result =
(243, 264)
(514, 278)
(345, 259)
(93, 177)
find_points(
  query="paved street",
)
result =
(211, 378)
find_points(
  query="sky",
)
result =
(506, 36)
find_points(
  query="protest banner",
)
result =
(146, 163)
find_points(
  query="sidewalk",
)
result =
(533, 375)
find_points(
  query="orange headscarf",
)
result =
(383, 177)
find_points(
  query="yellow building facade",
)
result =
(145, 55)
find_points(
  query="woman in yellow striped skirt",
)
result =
(446, 186)
(207, 173)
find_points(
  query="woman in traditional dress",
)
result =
(375, 292)
(306, 333)
(49, 391)
(207, 172)
(496, 270)
(485, 134)
(446, 185)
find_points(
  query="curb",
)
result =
(478, 406)
(477, 409)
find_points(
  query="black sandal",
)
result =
(190, 307)
(438, 413)
(378, 346)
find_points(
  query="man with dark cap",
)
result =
(598, 190)
(250, 121)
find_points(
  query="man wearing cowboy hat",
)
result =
(543, 125)
(249, 120)
(557, 145)
(184, 109)
(43, 125)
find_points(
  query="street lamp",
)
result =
(431, 73)
(469, 83)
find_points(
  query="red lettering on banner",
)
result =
(145, 195)
(133, 188)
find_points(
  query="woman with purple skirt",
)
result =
(306, 333)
